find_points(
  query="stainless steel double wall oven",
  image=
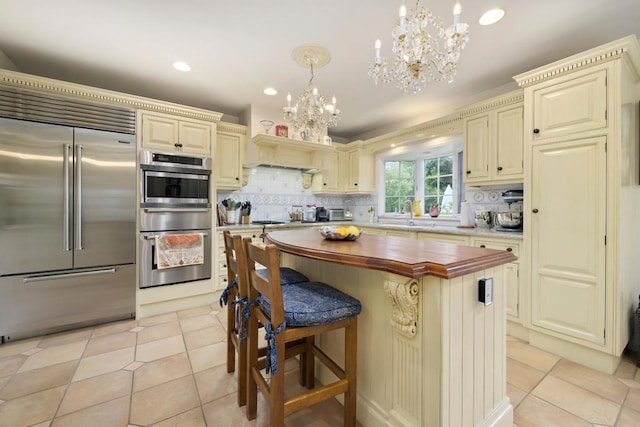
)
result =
(175, 198)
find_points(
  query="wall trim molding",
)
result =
(58, 87)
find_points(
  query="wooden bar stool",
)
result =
(289, 313)
(234, 296)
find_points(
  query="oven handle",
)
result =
(152, 237)
(176, 210)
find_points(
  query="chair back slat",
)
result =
(236, 261)
(269, 257)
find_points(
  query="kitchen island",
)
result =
(429, 354)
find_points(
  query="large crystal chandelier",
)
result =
(310, 113)
(421, 57)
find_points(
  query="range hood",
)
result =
(276, 151)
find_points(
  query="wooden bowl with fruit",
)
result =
(347, 233)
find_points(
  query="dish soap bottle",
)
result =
(417, 208)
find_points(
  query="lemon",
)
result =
(343, 231)
(353, 230)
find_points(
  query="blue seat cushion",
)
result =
(287, 275)
(313, 303)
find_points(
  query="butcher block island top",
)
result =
(406, 257)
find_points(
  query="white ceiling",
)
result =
(237, 48)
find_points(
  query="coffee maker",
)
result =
(322, 214)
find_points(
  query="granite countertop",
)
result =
(429, 227)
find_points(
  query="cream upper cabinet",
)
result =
(568, 228)
(493, 146)
(575, 103)
(174, 134)
(476, 148)
(328, 180)
(360, 177)
(230, 146)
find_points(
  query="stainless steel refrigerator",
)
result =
(67, 227)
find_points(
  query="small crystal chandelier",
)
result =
(419, 57)
(310, 114)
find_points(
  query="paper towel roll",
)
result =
(465, 215)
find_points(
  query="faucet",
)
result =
(409, 204)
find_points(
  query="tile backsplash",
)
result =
(273, 191)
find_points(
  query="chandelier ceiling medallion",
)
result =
(418, 56)
(310, 114)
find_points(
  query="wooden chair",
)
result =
(233, 297)
(289, 313)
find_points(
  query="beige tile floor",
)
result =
(169, 370)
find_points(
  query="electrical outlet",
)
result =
(485, 291)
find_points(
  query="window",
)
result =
(438, 184)
(399, 178)
(430, 174)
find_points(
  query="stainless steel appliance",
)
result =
(67, 214)
(174, 199)
(322, 214)
(338, 215)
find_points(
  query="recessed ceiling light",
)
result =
(270, 91)
(491, 16)
(181, 66)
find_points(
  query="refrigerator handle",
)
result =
(78, 198)
(66, 233)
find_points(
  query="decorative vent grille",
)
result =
(42, 107)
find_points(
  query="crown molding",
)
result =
(509, 98)
(231, 128)
(58, 87)
(626, 47)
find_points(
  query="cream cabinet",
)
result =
(493, 146)
(328, 179)
(446, 238)
(373, 231)
(575, 103)
(229, 155)
(360, 174)
(512, 272)
(581, 198)
(220, 264)
(175, 134)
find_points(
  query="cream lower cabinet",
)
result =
(175, 134)
(228, 159)
(568, 223)
(512, 272)
(220, 264)
(493, 143)
(446, 238)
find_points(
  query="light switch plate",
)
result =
(485, 291)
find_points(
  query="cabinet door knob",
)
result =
(468, 172)
(482, 246)
(356, 184)
(499, 168)
(237, 179)
(509, 249)
(536, 131)
(534, 210)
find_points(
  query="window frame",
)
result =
(452, 146)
